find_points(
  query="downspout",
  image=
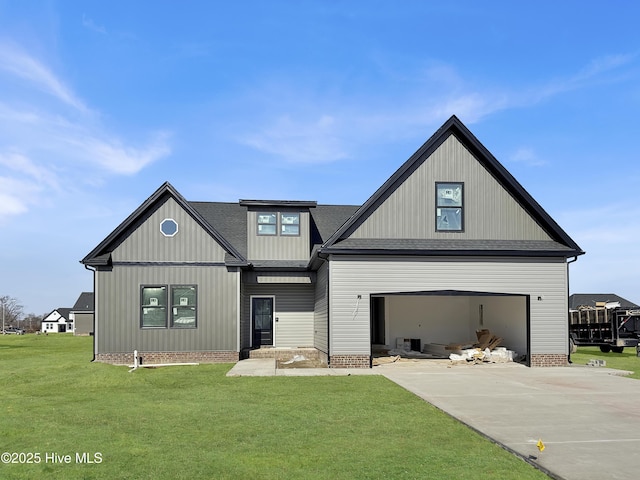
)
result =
(324, 258)
(568, 313)
(95, 310)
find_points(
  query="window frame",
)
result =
(283, 224)
(169, 235)
(144, 307)
(439, 207)
(169, 315)
(174, 306)
(275, 224)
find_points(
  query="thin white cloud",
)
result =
(605, 64)
(78, 144)
(15, 61)
(527, 156)
(24, 166)
(115, 157)
(91, 25)
(300, 140)
(16, 196)
(297, 133)
(44, 145)
(593, 72)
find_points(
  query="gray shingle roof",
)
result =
(230, 219)
(84, 303)
(589, 299)
(328, 218)
(62, 311)
(451, 246)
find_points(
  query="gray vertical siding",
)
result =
(321, 310)
(489, 210)
(351, 276)
(119, 313)
(293, 307)
(245, 320)
(83, 323)
(137, 262)
(190, 244)
(278, 247)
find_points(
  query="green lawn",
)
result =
(194, 422)
(627, 360)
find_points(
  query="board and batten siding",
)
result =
(147, 244)
(118, 328)
(83, 323)
(278, 247)
(490, 212)
(293, 307)
(321, 310)
(350, 276)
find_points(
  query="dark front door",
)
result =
(262, 319)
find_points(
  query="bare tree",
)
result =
(32, 322)
(10, 310)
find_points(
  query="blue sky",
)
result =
(101, 102)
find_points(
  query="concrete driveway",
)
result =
(587, 417)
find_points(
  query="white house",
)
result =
(58, 321)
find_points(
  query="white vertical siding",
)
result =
(352, 276)
(293, 308)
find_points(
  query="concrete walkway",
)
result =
(266, 367)
(587, 417)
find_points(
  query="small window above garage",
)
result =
(449, 206)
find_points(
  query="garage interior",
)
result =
(449, 317)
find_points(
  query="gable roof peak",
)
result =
(98, 254)
(453, 126)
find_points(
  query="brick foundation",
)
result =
(168, 357)
(350, 361)
(548, 360)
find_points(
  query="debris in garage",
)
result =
(440, 350)
(487, 340)
(477, 355)
(486, 349)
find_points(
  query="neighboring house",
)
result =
(82, 314)
(58, 321)
(578, 300)
(449, 244)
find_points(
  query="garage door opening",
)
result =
(448, 317)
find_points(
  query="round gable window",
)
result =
(169, 227)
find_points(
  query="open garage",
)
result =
(449, 317)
